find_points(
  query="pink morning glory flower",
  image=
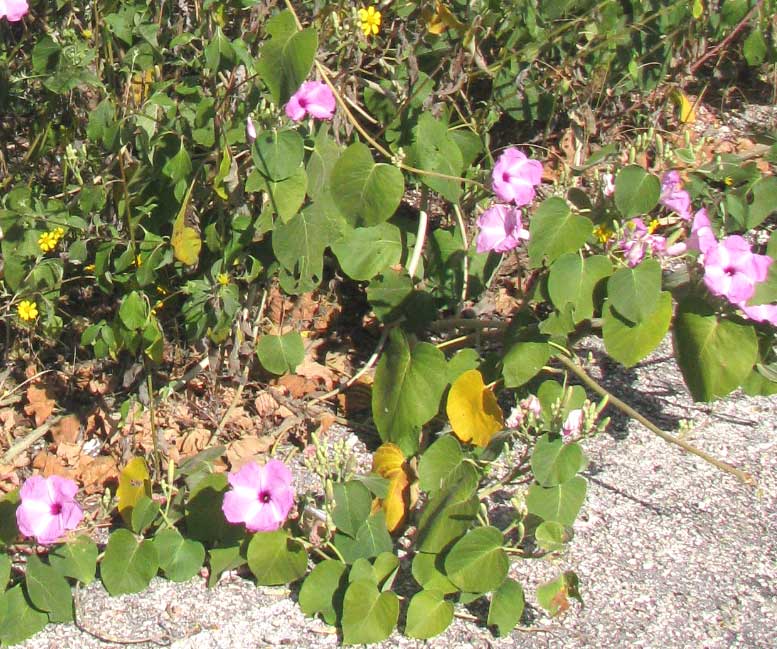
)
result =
(673, 196)
(732, 270)
(250, 129)
(501, 229)
(515, 176)
(261, 496)
(702, 237)
(313, 98)
(13, 10)
(48, 509)
(761, 312)
(572, 425)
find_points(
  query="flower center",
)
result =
(730, 271)
(506, 177)
(56, 509)
(264, 497)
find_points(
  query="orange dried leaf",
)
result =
(472, 409)
(40, 403)
(66, 430)
(95, 472)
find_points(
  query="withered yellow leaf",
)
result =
(186, 240)
(396, 502)
(472, 409)
(440, 19)
(134, 482)
(686, 106)
(388, 460)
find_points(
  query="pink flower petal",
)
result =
(314, 98)
(13, 10)
(47, 509)
(261, 496)
(501, 229)
(514, 177)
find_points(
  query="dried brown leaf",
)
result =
(40, 403)
(66, 429)
(96, 472)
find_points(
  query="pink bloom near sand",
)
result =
(261, 496)
(732, 270)
(48, 508)
(515, 176)
(572, 425)
(501, 229)
(13, 10)
(313, 98)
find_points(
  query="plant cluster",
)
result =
(208, 152)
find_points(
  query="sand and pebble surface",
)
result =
(670, 552)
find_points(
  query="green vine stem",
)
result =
(578, 371)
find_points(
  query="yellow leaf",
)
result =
(134, 482)
(687, 108)
(472, 409)
(396, 501)
(389, 462)
(185, 240)
(439, 20)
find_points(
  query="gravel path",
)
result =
(669, 551)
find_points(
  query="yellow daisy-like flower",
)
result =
(370, 18)
(223, 279)
(28, 310)
(47, 242)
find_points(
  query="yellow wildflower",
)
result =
(729, 181)
(28, 310)
(223, 279)
(603, 233)
(138, 261)
(89, 268)
(370, 19)
(162, 290)
(58, 232)
(47, 242)
(653, 226)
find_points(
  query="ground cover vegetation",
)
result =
(231, 188)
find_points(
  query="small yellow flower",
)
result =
(47, 242)
(728, 180)
(138, 261)
(58, 232)
(28, 310)
(653, 226)
(603, 233)
(159, 305)
(162, 290)
(370, 19)
(223, 279)
(89, 268)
